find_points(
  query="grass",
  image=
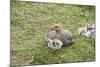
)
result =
(31, 21)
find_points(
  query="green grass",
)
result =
(30, 22)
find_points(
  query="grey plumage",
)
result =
(61, 34)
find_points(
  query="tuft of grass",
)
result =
(31, 21)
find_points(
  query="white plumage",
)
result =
(54, 44)
(88, 31)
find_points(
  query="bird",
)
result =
(58, 32)
(54, 44)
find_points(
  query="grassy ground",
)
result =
(31, 21)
